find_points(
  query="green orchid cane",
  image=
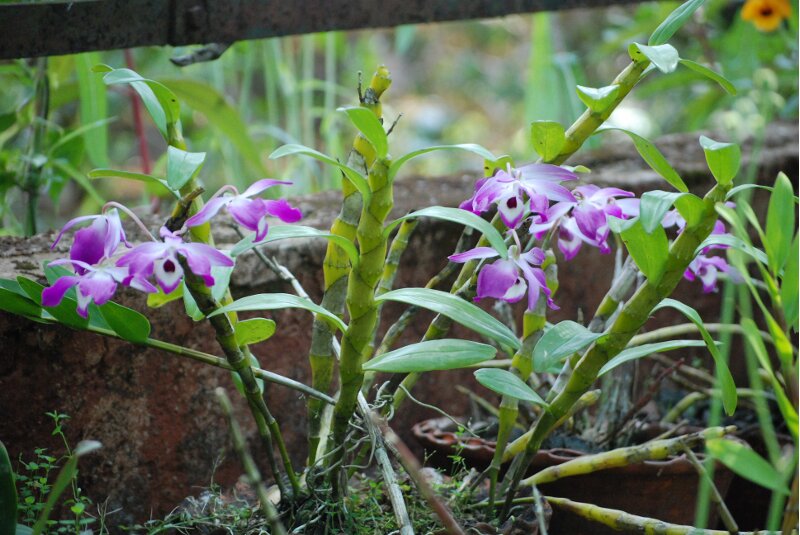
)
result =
(336, 266)
(361, 306)
(631, 318)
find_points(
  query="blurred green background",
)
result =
(479, 82)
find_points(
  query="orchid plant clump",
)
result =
(543, 212)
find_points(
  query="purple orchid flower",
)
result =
(540, 182)
(161, 259)
(249, 213)
(92, 284)
(99, 240)
(707, 269)
(585, 220)
(509, 280)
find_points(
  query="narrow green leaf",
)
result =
(190, 305)
(283, 232)
(637, 352)
(780, 224)
(789, 286)
(369, 125)
(93, 107)
(653, 207)
(735, 242)
(431, 355)
(457, 309)
(507, 384)
(253, 331)
(710, 74)
(222, 278)
(354, 176)
(127, 323)
(648, 151)
(279, 301)
(16, 304)
(469, 147)
(597, 99)
(8, 494)
(160, 102)
(664, 57)
(560, 341)
(221, 115)
(182, 166)
(65, 312)
(548, 138)
(726, 383)
(115, 173)
(745, 462)
(463, 217)
(65, 167)
(674, 22)
(649, 251)
(723, 159)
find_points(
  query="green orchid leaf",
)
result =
(282, 232)
(368, 124)
(159, 298)
(160, 102)
(649, 250)
(674, 22)
(637, 352)
(65, 312)
(723, 159)
(727, 385)
(457, 309)
(431, 355)
(748, 464)
(127, 323)
(358, 180)
(735, 242)
(597, 99)
(280, 301)
(558, 342)
(16, 304)
(463, 217)
(710, 74)
(548, 138)
(648, 151)
(469, 147)
(654, 206)
(664, 57)
(182, 166)
(507, 384)
(253, 331)
(141, 177)
(780, 224)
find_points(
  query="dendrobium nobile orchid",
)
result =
(92, 253)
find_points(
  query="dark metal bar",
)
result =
(45, 29)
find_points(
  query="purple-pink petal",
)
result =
(263, 184)
(283, 210)
(496, 279)
(52, 295)
(473, 254)
(545, 171)
(208, 211)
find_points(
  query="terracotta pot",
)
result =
(665, 490)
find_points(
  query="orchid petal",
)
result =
(263, 184)
(283, 210)
(496, 279)
(52, 295)
(208, 211)
(473, 254)
(168, 273)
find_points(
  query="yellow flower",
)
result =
(766, 15)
